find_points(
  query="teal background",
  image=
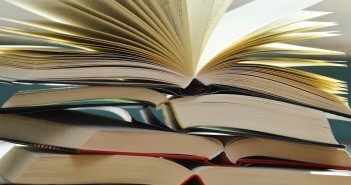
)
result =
(341, 129)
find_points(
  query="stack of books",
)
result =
(169, 92)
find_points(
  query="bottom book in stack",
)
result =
(27, 165)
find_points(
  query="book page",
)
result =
(199, 15)
(173, 11)
(203, 16)
(116, 14)
(159, 17)
(4, 148)
(105, 18)
(150, 16)
(181, 11)
(66, 15)
(246, 20)
(219, 8)
(174, 14)
(294, 49)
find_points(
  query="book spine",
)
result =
(169, 116)
(194, 179)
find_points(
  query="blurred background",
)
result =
(341, 15)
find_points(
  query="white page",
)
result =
(118, 112)
(247, 19)
(294, 49)
(4, 148)
(199, 12)
(305, 24)
(297, 17)
(219, 8)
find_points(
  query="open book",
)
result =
(40, 167)
(186, 47)
(96, 134)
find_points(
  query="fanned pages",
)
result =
(171, 44)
